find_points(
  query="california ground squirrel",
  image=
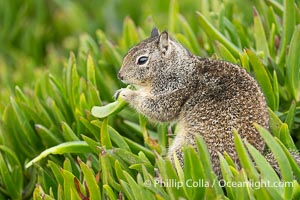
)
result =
(205, 96)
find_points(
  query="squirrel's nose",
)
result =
(120, 76)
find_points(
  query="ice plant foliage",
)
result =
(65, 137)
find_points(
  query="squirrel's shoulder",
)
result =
(211, 62)
(209, 65)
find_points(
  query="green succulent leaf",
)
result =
(11, 172)
(244, 157)
(94, 190)
(263, 79)
(293, 65)
(109, 109)
(285, 167)
(67, 147)
(216, 35)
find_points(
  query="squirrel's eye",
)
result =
(142, 60)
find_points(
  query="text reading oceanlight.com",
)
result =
(222, 183)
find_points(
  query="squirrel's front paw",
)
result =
(117, 94)
(125, 94)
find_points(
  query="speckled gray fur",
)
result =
(206, 97)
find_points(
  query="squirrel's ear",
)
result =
(154, 32)
(163, 41)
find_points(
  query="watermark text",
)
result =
(222, 183)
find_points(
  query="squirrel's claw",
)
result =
(117, 94)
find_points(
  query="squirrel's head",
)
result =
(150, 57)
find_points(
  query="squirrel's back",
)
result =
(227, 98)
